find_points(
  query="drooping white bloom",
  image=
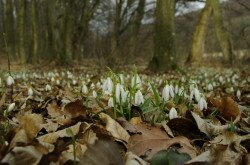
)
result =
(210, 87)
(52, 79)
(121, 76)
(118, 92)
(125, 96)
(11, 107)
(221, 79)
(172, 113)
(191, 95)
(98, 85)
(202, 104)
(92, 86)
(238, 94)
(48, 87)
(10, 80)
(74, 82)
(176, 88)
(94, 94)
(111, 102)
(136, 81)
(165, 93)
(139, 98)
(30, 92)
(171, 91)
(84, 89)
(197, 94)
(181, 91)
(57, 82)
(107, 86)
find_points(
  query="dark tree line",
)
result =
(64, 31)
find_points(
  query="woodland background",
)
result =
(158, 33)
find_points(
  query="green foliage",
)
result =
(170, 157)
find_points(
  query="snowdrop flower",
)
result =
(118, 92)
(52, 79)
(107, 86)
(165, 93)
(136, 82)
(111, 102)
(48, 87)
(84, 89)
(191, 95)
(121, 76)
(172, 113)
(181, 91)
(30, 92)
(202, 104)
(11, 107)
(125, 96)
(92, 86)
(74, 82)
(10, 80)
(210, 87)
(171, 91)
(57, 82)
(238, 94)
(197, 94)
(176, 89)
(94, 94)
(139, 98)
(221, 79)
(98, 84)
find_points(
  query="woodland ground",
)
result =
(88, 114)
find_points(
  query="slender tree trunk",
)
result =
(20, 28)
(197, 48)
(135, 28)
(221, 33)
(34, 31)
(164, 53)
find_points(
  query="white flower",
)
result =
(98, 85)
(92, 86)
(10, 81)
(11, 107)
(111, 102)
(30, 92)
(57, 82)
(94, 94)
(121, 76)
(52, 79)
(181, 91)
(48, 87)
(221, 79)
(107, 86)
(125, 96)
(172, 113)
(210, 87)
(197, 94)
(238, 94)
(74, 82)
(165, 93)
(202, 104)
(171, 91)
(84, 89)
(136, 82)
(176, 89)
(118, 93)
(139, 98)
(191, 95)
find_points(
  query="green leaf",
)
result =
(156, 95)
(170, 157)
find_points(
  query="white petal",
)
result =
(172, 113)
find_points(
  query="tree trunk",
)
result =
(34, 31)
(164, 53)
(197, 48)
(20, 29)
(135, 27)
(221, 33)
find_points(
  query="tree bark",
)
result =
(221, 33)
(164, 53)
(197, 48)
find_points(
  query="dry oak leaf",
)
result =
(23, 155)
(227, 107)
(54, 110)
(52, 137)
(153, 139)
(74, 109)
(32, 124)
(19, 138)
(116, 130)
(132, 159)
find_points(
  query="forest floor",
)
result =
(87, 115)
